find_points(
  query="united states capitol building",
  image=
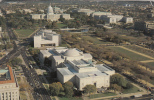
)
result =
(51, 15)
(71, 64)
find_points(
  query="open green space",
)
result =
(23, 33)
(150, 64)
(101, 95)
(131, 55)
(60, 25)
(134, 89)
(141, 50)
(72, 98)
(95, 40)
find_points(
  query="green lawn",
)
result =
(60, 25)
(23, 33)
(73, 98)
(132, 90)
(101, 95)
(150, 63)
(141, 50)
(131, 55)
(95, 40)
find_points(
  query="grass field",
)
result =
(95, 40)
(132, 90)
(129, 54)
(101, 95)
(73, 98)
(60, 25)
(141, 50)
(150, 63)
(23, 33)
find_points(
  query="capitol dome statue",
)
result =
(50, 10)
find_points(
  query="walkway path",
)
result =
(147, 61)
(124, 95)
(137, 52)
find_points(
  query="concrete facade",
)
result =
(148, 27)
(47, 38)
(75, 66)
(9, 89)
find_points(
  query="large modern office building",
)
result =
(73, 65)
(9, 89)
(46, 38)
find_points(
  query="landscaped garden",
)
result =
(131, 55)
(95, 40)
(141, 50)
(24, 33)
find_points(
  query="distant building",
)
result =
(46, 38)
(127, 19)
(100, 14)
(150, 15)
(51, 15)
(84, 11)
(75, 66)
(146, 26)
(26, 11)
(58, 10)
(9, 89)
(9, 11)
(105, 16)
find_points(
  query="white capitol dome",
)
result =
(50, 10)
(71, 53)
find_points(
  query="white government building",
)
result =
(51, 16)
(105, 16)
(9, 88)
(46, 38)
(73, 65)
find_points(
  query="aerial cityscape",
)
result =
(76, 50)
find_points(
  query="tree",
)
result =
(89, 89)
(56, 88)
(68, 84)
(116, 87)
(16, 61)
(68, 89)
(129, 85)
(118, 79)
(47, 61)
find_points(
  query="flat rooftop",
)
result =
(103, 67)
(6, 75)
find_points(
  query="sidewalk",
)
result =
(123, 95)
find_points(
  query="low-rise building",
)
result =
(73, 65)
(108, 17)
(9, 89)
(84, 11)
(150, 15)
(145, 26)
(47, 38)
